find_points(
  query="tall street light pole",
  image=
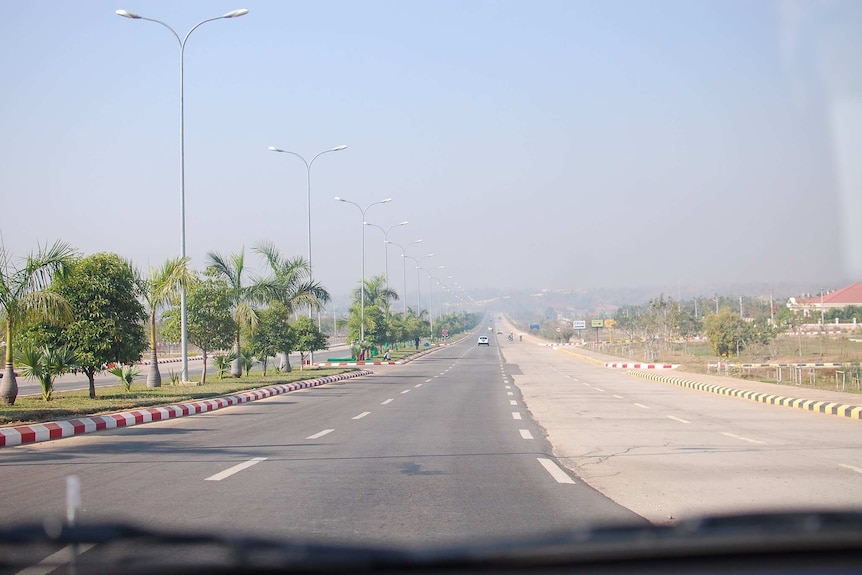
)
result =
(404, 268)
(362, 285)
(386, 245)
(308, 184)
(308, 203)
(417, 261)
(184, 346)
(430, 302)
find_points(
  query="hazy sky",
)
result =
(547, 144)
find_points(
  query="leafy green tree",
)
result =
(45, 365)
(209, 323)
(107, 317)
(163, 285)
(725, 332)
(242, 297)
(308, 337)
(273, 335)
(23, 296)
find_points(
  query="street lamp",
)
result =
(362, 285)
(404, 267)
(417, 261)
(308, 200)
(386, 245)
(430, 303)
(308, 183)
(182, 42)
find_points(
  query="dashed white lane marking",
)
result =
(387, 402)
(516, 415)
(585, 383)
(427, 381)
(618, 396)
(418, 385)
(555, 471)
(642, 406)
(513, 402)
(361, 415)
(235, 469)
(741, 438)
(51, 562)
(525, 434)
(600, 389)
(405, 391)
(850, 467)
(679, 419)
(320, 434)
(508, 387)
(510, 393)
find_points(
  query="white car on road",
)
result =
(483, 340)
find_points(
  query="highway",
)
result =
(466, 442)
(439, 450)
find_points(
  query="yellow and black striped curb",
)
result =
(827, 407)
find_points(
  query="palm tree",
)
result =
(243, 298)
(293, 277)
(23, 295)
(295, 283)
(45, 365)
(163, 284)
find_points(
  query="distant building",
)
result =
(813, 304)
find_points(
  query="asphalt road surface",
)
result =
(439, 450)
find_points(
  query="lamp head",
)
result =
(339, 148)
(236, 13)
(127, 14)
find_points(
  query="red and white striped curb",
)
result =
(357, 363)
(171, 360)
(23, 434)
(563, 344)
(616, 365)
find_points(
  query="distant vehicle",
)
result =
(483, 340)
(499, 332)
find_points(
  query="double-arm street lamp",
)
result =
(308, 203)
(430, 302)
(182, 42)
(386, 243)
(362, 285)
(308, 184)
(404, 267)
(418, 261)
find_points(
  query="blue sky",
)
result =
(541, 144)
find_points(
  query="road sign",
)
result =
(444, 332)
(559, 330)
(579, 324)
(598, 323)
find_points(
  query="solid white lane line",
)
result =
(741, 438)
(525, 434)
(642, 406)
(850, 467)
(235, 469)
(387, 402)
(619, 396)
(361, 415)
(405, 391)
(510, 393)
(51, 562)
(320, 434)
(516, 415)
(679, 419)
(555, 471)
(600, 389)
(513, 402)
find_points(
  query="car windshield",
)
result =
(241, 293)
